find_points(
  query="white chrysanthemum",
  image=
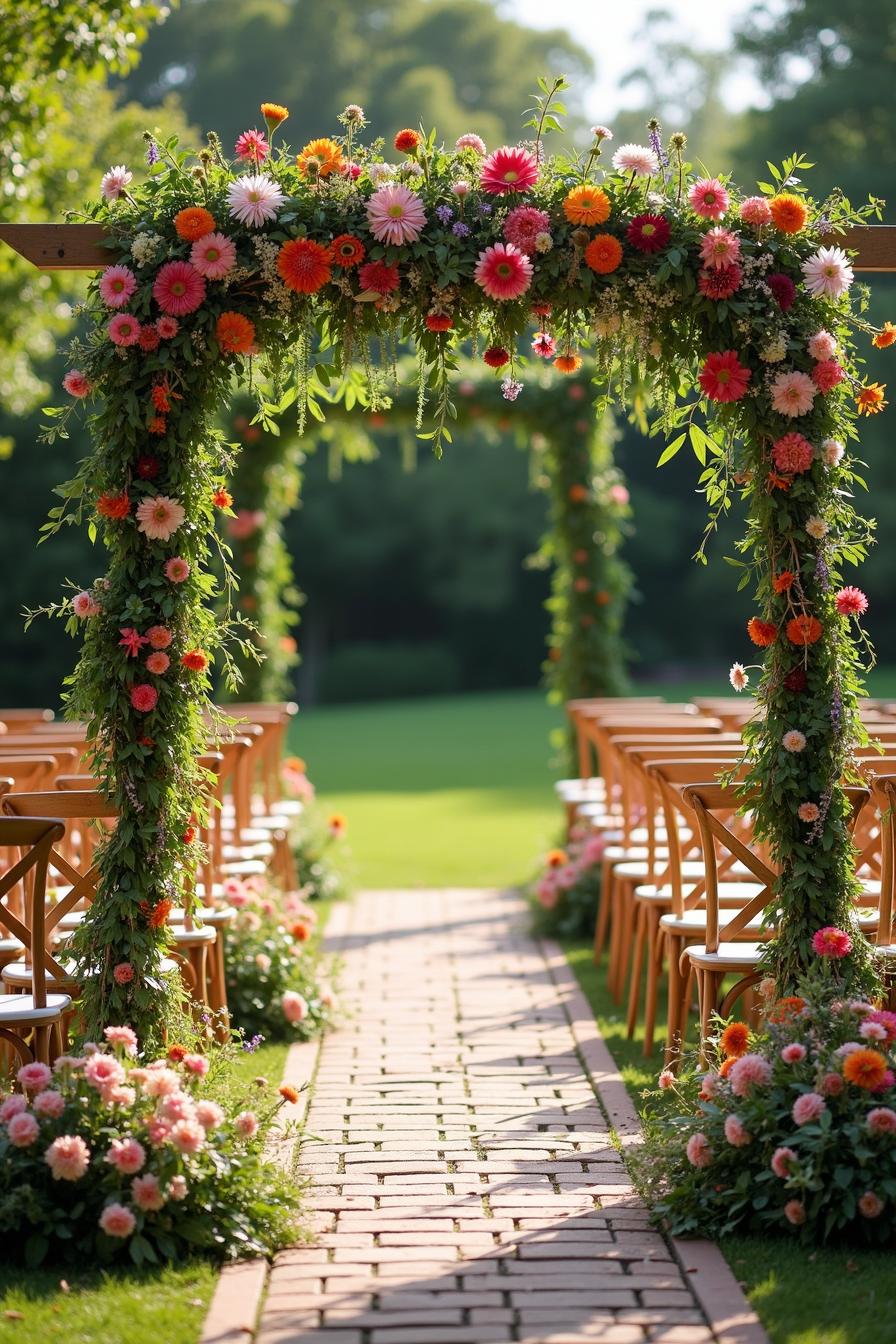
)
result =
(738, 676)
(794, 741)
(380, 172)
(828, 273)
(817, 528)
(774, 350)
(636, 159)
(114, 182)
(253, 199)
(543, 242)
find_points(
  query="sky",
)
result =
(607, 29)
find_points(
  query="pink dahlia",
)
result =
(793, 394)
(827, 374)
(115, 182)
(523, 225)
(246, 1124)
(755, 211)
(719, 248)
(503, 272)
(49, 1103)
(831, 942)
(469, 140)
(178, 288)
(12, 1106)
(637, 159)
(126, 1156)
(795, 1212)
(187, 1136)
(783, 290)
(117, 284)
(708, 198)
(22, 1130)
(34, 1077)
(720, 284)
(209, 1114)
(723, 377)
(126, 1037)
(794, 1053)
(808, 812)
(196, 1064)
(77, 384)
(158, 664)
(807, 1108)
(177, 570)
(822, 345)
(162, 1082)
(213, 256)
(124, 329)
(159, 518)
(888, 1021)
(144, 698)
(395, 214)
(748, 1072)
(793, 453)
(103, 1070)
(851, 602)
(698, 1151)
(252, 147)
(881, 1120)
(254, 198)
(177, 1187)
(510, 168)
(147, 1193)
(782, 1158)
(117, 1221)
(736, 1133)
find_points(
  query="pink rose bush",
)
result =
(566, 892)
(102, 1156)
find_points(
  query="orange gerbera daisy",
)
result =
(193, 223)
(789, 213)
(865, 1068)
(556, 858)
(604, 253)
(235, 333)
(762, 633)
(783, 582)
(319, 158)
(804, 630)
(586, 204)
(735, 1039)
(274, 114)
(885, 337)
(568, 363)
(870, 399)
(347, 251)
(304, 265)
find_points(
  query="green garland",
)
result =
(624, 261)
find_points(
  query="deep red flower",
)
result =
(783, 289)
(148, 467)
(378, 277)
(720, 282)
(496, 357)
(723, 377)
(796, 679)
(438, 322)
(648, 233)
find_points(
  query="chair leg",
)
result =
(610, 888)
(634, 980)
(602, 923)
(655, 946)
(625, 905)
(708, 985)
(673, 1005)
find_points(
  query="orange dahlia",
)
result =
(347, 251)
(870, 399)
(195, 660)
(604, 253)
(222, 499)
(193, 223)
(789, 213)
(586, 204)
(804, 630)
(274, 114)
(885, 337)
(235, 333)
(790, 1006)
(568, 363)
(288, 1093)
(762, 633)
(319, 158)
(783, 582)
(735, 1039)
(407, 141)
(304, 265)
(578, 493)
(865, 1068)
(114, 506)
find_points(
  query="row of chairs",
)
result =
(53, 816)
(687, 889)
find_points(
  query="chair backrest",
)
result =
(883, 791)
(603, 732)
(671, 777)
(274, 719)
(31, 842)
(577, 709)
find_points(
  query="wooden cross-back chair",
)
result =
(31, 1022)
(275, 720)
(576, 711)
(721, 955)
(883, 792)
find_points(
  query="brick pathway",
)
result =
(466, 1182)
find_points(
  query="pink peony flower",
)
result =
(851, 602)
(34, 1077)
(881, 1120)
(209, 1114)
(49, 1103)
(177, 1188)
(68, 1157)
(795, 1212)
(888, 1081)
(13, 1105)
(117, 284)
(708, 198)
(792, 394)
(637, 159)
(123, 329)
(827, 374)
(187, 1136)
(294, 1006)
(698, 1151)
(523, 225)
(254, 198)
(793, 453)
(735, 1132)
(469, 140)
(755, 211)
(831, 942)
(117, 1221)
(503, 272)
(709, 1086)
(719, 248)
(782, 1160)
(510, 168)
(870, 1205)
(251, 146)
(177, 569)
(793, 1053)
(196, 1064)
(807, 1108)
(22, 1129)
(126, 1156)
(126, 1037)
(213, 256)
(831, 1085)
(161, 1082)
(748, 1072)
(103, 1070)
(113, 183)
(246, 1124)
(395, 214)
(147, 1193)
(178, 288)
(822, 345)
(77, 384)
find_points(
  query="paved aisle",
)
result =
(467, 1185)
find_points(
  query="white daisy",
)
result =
(828, 273)
(254, 198)
(636, 159)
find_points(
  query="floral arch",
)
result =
(737, 310)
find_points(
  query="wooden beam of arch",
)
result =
(79, 247)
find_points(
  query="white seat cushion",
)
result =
(16, 1008)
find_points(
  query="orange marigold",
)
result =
(762, 633)
(289, 1093)
(407, 141)
(556, 858)
(804, 630)
(274, 114)
(347, 251)
(193, 223)
(304, 265)
(222, 499)
(735, 1039)
(568, 363)
(319, 158)
(300, 932)
(114, 506)
(235, 333)
(586, 204)
(885, 337)
(159, 913)
(604, 253)
(870, 399)
(783, 582)
(865, 1068)
(789, 213)
(195, 660)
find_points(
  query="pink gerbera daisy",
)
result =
(395, 214)
(254, 198)
(178, 288)
(177, 570)
(708, 198)
(124, 329)
(117, 284)
(723, 377)
(523, 225)
(159, 518)
(720, 248)
(213, 256)
(510, 168)
(470, 140)
(851, 602)
(167, 327)
(252, 146)
(503, 272)
(792, 394)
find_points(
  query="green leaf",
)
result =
(670, 450)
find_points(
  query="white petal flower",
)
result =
(254, 199)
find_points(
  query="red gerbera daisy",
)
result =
(304, 265)
(723, 377)
(378, 277)
(496, 357)
(438, 322)
(648, 233)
